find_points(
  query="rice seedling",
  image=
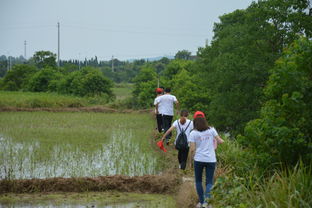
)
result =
(43, 144)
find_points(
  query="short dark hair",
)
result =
(167, 90)
(184, 113)
(200, 124)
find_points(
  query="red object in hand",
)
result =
(160, 144)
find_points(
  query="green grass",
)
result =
(44, 144)
(87, 199)
(241, 183)
(122, 91)
(45, 100)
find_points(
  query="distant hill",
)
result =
(151, 58)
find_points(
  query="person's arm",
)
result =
(167, 132)
(177, 107)
(191, 154)
(156, 107)
(219, 139)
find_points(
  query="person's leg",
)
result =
(183, 158)
(159, 122)
(166, 125)
(179, 157)
(210, 168)
(198, 169)
(169, 121)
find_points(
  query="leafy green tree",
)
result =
(86, 82)
(44, 59)
(145, 84)
(44, 80)
(191, 96)
(184, 54)
(246, 44)
(17, 78)
(284, 130)
(174, 67)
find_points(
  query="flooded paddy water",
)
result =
(46, 145)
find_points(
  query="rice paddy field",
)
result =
(40, 145)
(64, 144)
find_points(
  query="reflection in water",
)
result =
(122, 155)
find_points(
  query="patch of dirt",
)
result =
(162, 184)
(187, 196)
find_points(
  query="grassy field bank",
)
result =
(45, 100)
(122, 91)
(88, 199)
(44, 144)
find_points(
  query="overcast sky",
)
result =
(123, 28)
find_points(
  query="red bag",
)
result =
(160, 144)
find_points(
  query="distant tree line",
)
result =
(87, 78)
(40, 74)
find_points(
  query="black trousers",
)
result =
(167, 124)
(182, 157)
(159, 122)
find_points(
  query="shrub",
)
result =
(284, 130)
(17, 78)
(42, 80)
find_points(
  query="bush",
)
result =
(17, 78)
(283, 133)
(44, 80)
(87, 82)
(145, 84)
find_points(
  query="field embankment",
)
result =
(161, 184)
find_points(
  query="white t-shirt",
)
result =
(165, 104)
(155, 102)
(188, 130)
(203, 140)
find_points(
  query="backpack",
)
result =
(181, 143)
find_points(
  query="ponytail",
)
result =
(182, 120)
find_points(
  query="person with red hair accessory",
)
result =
(159, 120)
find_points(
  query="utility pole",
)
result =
(206, 42)
(79, 62)
(25, 49)
(58, 44)
(112, 63)
(158, 81)
(8, 63)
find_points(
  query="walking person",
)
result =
(159, 92)
(202, 149)
(181, 125)
(165, 107)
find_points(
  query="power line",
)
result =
(134, 31)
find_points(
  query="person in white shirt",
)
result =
(165, 107)
(185, 125)
(203, 151)
(159, 119)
